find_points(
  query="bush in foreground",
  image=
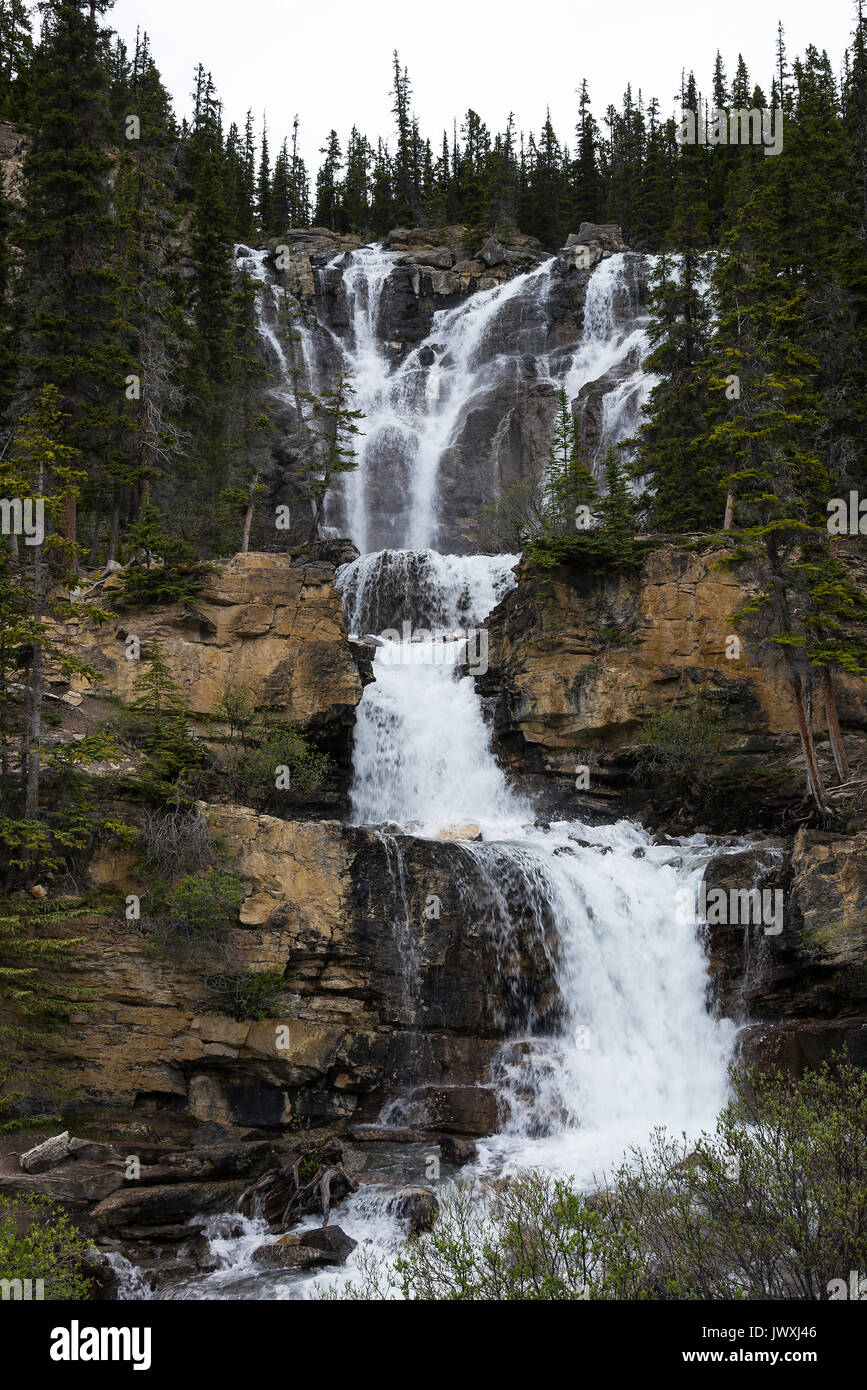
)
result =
(38, 1241)
(773, 1205)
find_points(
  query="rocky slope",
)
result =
(580, 657)
(390, 974)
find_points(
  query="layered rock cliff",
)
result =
(580, 657)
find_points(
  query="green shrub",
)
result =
(251, 771)
(677, 743)
(49, 1248)
(198, 910)
(244, 994)
(35, 996)
(169, 570)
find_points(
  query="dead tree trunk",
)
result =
(834, 733)
(808, 745)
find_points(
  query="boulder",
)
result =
(164, 1204)
(492, 252)
(437, 257)
(460, 832)
(290, 1256)
(47, 1154)
(329, 1240)
(459, 1109)
(416, 1207)
(458, 1151)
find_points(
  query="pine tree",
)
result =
(569, 484)
(587, 193)
(33, 998)
(327, 212)
(252, 425)
(145, 228)
(354, 210)
(156, 691)
(333, 453)
(16, 58)
(264, 209)
(404, 209)
(617, 509)
(69, 288)
(9, 328)
(43, 470)
(299, 212)
(766, 442)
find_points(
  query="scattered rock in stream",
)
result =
(325, 1245)
(416, 1207)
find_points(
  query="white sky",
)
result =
(331, 61)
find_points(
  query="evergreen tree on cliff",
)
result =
(685, 495)
(69, 284)
(767, 443)
(145, 230)
(16, 58)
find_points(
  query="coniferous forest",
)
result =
(116, 258)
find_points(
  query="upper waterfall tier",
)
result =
(458, 388)
(387, 588)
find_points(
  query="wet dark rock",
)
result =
(459, 1109)
(458, 1151)
(329, 1240)
(290, 1257)
(160, 1206)
(416, 1207)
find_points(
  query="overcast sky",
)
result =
(331, 61)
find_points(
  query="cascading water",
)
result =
(614, 343)
(637, 1045)
(414, 411)
(634, 1045)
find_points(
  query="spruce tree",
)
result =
(617, 509)
(333, 453)
(569, 484)
(327, 211)
(69, 288)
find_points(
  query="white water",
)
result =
(414, 410)
(636, 1046)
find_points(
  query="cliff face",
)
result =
(262, 622)
(399, 967)
(469, 339)
(580, 658)
(800, 994)
(392, 967)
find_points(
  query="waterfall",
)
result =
(387, 587)
(415, 410)
(631, 1044)
(636, 1045)
(253, 263)
(614, 344)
